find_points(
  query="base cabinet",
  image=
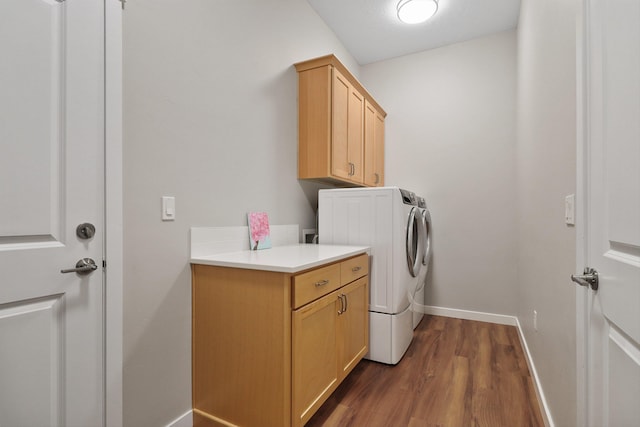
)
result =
(330, 337)
(269, 348)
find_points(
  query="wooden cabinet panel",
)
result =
(241, 346)
(314, 123)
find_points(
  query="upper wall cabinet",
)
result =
(340, 126)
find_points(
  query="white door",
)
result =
(51, 180)
(612, 217)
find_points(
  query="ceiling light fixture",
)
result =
(416, 11)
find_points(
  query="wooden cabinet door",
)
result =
(379, 149)
(353, 325)
(315, 354)
(373, 146)
(347, 130)
(355, 137)
(340, 101)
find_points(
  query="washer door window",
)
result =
(426, 223)
(415, 244)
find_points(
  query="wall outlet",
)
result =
(308, 235)
(535, 320)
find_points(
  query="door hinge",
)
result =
(122, 2)
(104, 264)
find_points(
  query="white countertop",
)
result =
(285, 259)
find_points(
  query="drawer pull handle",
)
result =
(322, 282)
(356, 269)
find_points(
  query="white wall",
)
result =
(210, 118)
(546, 164)
(451, 137)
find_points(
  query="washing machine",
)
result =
(388, 220)
(416, 296)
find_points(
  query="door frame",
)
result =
(581, 219)
(583, 295)
(113, 250)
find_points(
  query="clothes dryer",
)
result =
(387, 220)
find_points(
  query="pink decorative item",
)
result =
(259, 235)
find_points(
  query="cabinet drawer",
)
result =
(315, 283)
(354, 268)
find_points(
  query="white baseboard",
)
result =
(546, 413)
(184, 420)
(501, 319)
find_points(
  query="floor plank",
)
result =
(456, 373)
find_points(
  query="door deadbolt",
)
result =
(85, 231)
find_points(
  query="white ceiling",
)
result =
(371, 31)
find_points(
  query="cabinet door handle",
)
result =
(342, 308)
(356, 269)
(322, 282)
(346, 303)
(377, 178)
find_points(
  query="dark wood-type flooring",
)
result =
(456, 373)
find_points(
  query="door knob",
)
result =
(84, 266)
(588, 278)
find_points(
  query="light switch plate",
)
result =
(570, 209)
(168, 208)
